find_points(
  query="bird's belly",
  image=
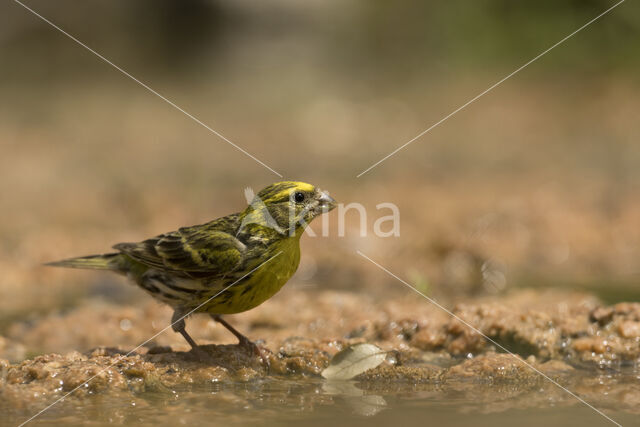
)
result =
(265, 281)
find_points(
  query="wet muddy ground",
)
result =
(435, 363)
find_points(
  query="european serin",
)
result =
(229, 265)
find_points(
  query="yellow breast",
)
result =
(263, 283)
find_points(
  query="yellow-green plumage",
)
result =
(191, 266)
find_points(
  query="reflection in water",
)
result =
(280, 401)
(365, 405)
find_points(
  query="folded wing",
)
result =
(191, 251)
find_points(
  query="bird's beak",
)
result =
(326, 201)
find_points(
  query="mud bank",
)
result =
(571, 338)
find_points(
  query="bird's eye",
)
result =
(298, 197)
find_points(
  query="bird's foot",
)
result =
(200, 353)
(261, 352)
(244, 341)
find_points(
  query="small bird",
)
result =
(229, 265)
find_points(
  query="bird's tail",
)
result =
(110, 261)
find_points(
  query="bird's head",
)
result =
(291, 205)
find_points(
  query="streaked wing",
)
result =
(201, 250)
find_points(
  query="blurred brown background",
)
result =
(534, 185)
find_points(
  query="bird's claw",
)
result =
(200, 353)
(257, 350)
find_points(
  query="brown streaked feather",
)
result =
(202, 250)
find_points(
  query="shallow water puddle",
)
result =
(278, 401)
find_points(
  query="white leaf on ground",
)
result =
(353, 361)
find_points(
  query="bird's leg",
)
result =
(243, 340)
(178, 325)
